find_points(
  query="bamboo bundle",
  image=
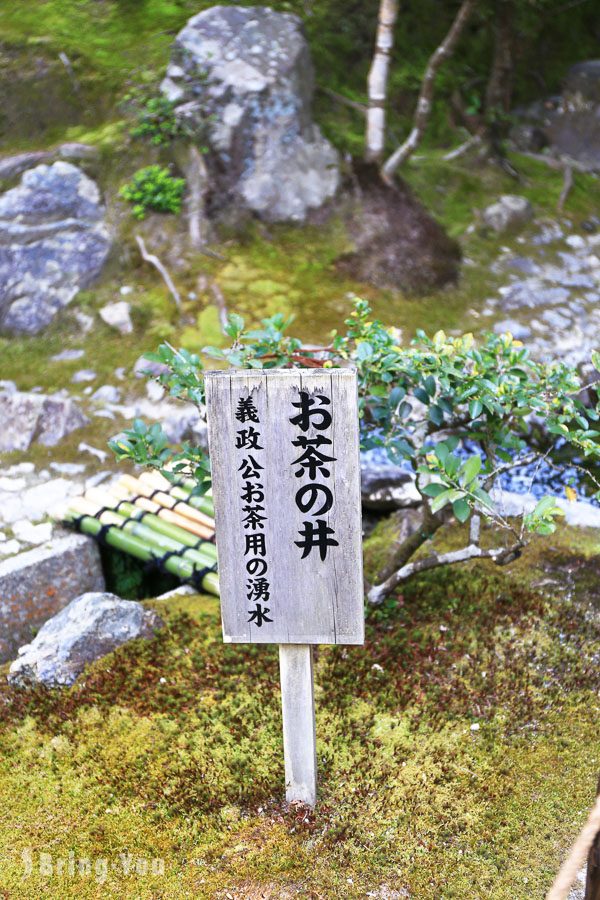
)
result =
(183, 491)
(128, 488)
(146, 519)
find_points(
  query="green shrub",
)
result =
(156, 122)
(153, 188)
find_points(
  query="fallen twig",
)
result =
(155, 261)
(458, 151)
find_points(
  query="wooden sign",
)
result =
(284, 452)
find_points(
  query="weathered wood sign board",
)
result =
(284, 453)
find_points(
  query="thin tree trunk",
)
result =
(424, 103)
(498, 91)
(377, 80)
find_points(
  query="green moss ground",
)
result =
(171, 749)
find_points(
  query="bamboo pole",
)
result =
(104, 498)
(171, 500)
(139, 486)
(125, 490)
(129, 543)
(182, 491)
(160, 542)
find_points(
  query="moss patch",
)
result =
(171, 749)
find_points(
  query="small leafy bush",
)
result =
(153, 188)
(157, 122)
(457, 413)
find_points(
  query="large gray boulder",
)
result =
(386, 487)
(243, 76)
(41, 418)
(37, 584)
(568, 124)
(53, 242)
(88, 628)
(582, 84)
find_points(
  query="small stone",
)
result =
(85, 322)
(508, 214)
(155, 391)
(148, 368)
(125, 289)
(86, 448)
(118, 316)
(67, 468)
(519, 331)
(12, 484)
(9, 548)
(96, 479)
(475, 726)
(24, 468)
(83, 375)
(575, 241)
(28, 533)
(67, 355)
(120, 373)
(107, 394)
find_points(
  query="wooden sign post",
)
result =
(286, 487)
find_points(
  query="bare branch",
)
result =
(463, 148)
(500, 555)
(424, 103)
(155, 261)
(344, 101)
(377, 80)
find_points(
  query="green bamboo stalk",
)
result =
(183, 491)
(136, 546)
(166, 528)
(167, 543)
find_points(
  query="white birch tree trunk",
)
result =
(377, 80)
(424, 103)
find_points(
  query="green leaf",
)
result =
(475, 408)
(447, 496)
(461, 510)
(364, 350)
(434, 489)
(471, 468)
(436, 415)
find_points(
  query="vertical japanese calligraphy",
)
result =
(258, 589)
(284, 454)
(314, 498)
